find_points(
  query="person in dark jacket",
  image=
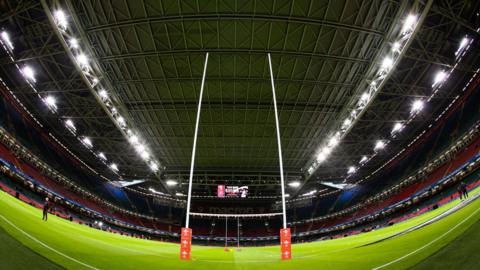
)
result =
(46, 207)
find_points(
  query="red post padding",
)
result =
(185, 243)
(286, 243)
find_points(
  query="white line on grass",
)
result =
(45, 245)
(429, 243)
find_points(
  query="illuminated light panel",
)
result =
(61, 19)
(417, 105)
(70, 125)
(363, 160)
(114, 167)
(6, 39)
(171, 183)
(103, 94)
(397, 127)
(351, 169)
(153, 166)
(73, 43)
(439, 78)
(387, 63)
(82, 60)
(379, 145)
(28, 73)
(87, 142)
(294, 184)
(102, 156)
(409, 24)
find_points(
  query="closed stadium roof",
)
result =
(149, 57)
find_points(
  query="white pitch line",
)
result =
(428, 244)
(47, 246)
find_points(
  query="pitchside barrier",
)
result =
(186, 232)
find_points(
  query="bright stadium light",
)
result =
(121, 121)
(417, 106)
(153, 166)
(294, 184)
(179, 194)
(133, 139)
(396, 47)
(103, 94)
(102, 156)
(140, 148)
(70, 125)
(409, 24)
(87, 142)
(61, 19)
(6, 39)
(333, 141)
(171, 183)
(73, 43)
(82, 60)
(347, 122)
(351, 169)
(145, 155)
(387, 63)
(363, 160)
(287, 195)
(439, 78)
(28, 73)
(50, 101)
(397, 127)
(379, 145)
(462, 45)
(114, 167)
(365, 96)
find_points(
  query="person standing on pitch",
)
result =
(46, 207)
(464, 190)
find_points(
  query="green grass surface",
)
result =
(73, 246)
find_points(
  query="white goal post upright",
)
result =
(285, 235)
(186, 232)
(194, 150)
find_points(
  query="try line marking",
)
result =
(429, 243)
(45, 245)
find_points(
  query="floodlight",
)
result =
(409, 24)
(87, 142)
(29, 73)
(61, 19)
(102, 156)
(294, 184)
(396, 46)
(114, 167)
(417, 106)
(6, 39)
(379, 145)
(153, 166)
(73, 43)
(69, 123)
(103, 94)
(439, 78)
(397, 127)
(82, 60)
(171, 183)
(387, 63)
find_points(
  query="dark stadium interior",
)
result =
(150, 57)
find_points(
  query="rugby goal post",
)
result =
(186, 232)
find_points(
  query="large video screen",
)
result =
(232, 191)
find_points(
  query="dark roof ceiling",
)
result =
(153, 53)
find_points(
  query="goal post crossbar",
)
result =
(235, 215)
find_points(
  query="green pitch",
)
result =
(27, 241)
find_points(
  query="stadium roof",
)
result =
(150, 56)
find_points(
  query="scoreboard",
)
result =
(232, 191)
